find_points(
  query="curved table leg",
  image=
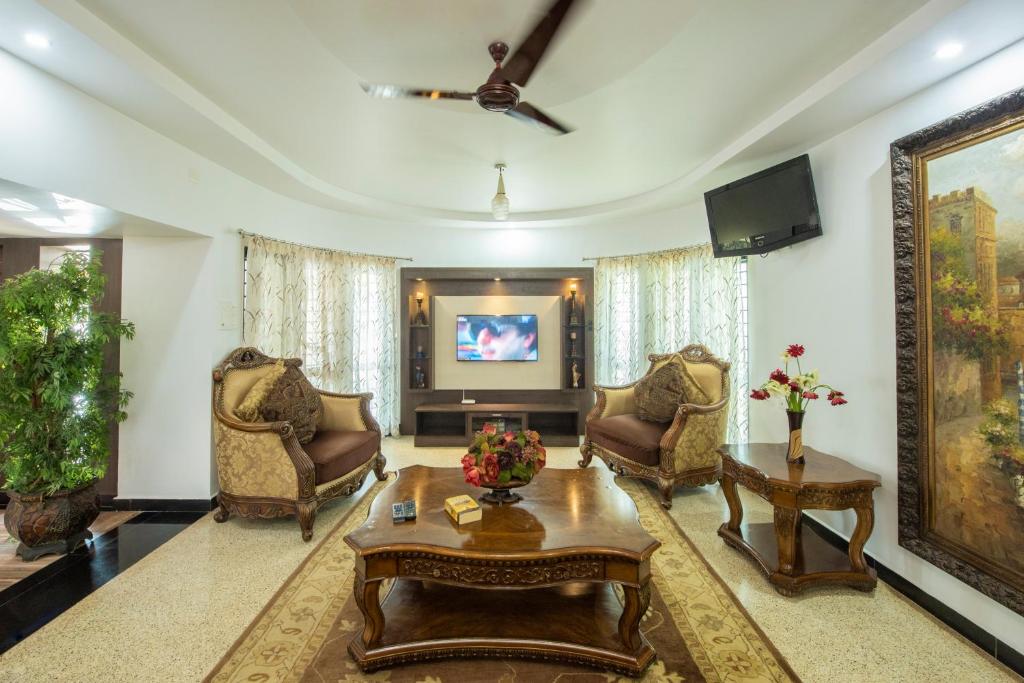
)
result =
(637, 601)
(865, 523)
(732, 497)
(367, 595)
(787, 533)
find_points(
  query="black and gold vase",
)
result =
(795, 452)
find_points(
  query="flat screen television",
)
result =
(765, 211)
(496, 337)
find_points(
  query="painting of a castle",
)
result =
(975, 232)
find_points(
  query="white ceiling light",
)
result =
(499, 205)
(37, 40)
(81, 221)
(66, 203)
(949, 50)
(15, 204)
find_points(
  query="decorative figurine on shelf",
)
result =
(419, 351)
(796, 392)
(572, 344)
(421, 317)
(420, 378)
(576, 376)
(574, 318)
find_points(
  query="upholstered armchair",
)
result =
(264, 471)
(682, 452)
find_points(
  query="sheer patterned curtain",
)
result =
(334, 310)
(660, 302)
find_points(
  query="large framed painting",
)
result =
(958, 205)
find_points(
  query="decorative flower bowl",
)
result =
(501, 462)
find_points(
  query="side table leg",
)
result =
(367, 595)
(637, 601)
(787, 533)
(865, 523)
(732, 497)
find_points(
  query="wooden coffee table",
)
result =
(795, 557)
(531, 580)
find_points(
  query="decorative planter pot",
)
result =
(795, 452)
(53, 524)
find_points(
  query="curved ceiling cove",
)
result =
(656, 92)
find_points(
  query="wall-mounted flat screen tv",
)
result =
(496, 337)
(763, 212)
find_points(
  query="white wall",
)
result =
(835, 295)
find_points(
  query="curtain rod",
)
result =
(310, 246)
(650, 253)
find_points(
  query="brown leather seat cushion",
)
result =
(335, 454)
(629, 436)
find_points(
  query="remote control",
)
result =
(397, 512)
(410, 509)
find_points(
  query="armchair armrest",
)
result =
(348, 412)
(260, 459)
(694, 437)
(613, 401)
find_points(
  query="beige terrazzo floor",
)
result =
(171, 616)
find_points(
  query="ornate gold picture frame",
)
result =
(958, 223)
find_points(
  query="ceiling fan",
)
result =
(498, 93)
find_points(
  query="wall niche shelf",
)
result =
(559, 414)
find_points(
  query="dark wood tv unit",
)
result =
(451, 424)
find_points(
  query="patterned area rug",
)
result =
(696, 625)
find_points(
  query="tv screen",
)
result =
(496, 337)
(763, 212)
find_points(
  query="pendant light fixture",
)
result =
(499, 205)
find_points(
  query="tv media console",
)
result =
(453, 424)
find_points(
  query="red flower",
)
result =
(810, 394)
(838, 401)
(491, 469)
(779, 376)
(509, 436)
(794, 386)
(542, 459)
(834, 394)
(473, 476)
(468, 461)
(759, 395)
(795, 350)
(489, 428)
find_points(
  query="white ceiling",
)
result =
(663, 94)
(67, 216)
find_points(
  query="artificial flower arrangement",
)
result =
(798, 390)
(503, 460)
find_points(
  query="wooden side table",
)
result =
(795, 557)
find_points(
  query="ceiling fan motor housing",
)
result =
(498, 97)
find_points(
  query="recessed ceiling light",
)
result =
(37, 40)
(66, 203)
(15, 204)
(949, 50)
(47, 222)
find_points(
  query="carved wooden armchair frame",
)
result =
(679, 464)
(284, 482)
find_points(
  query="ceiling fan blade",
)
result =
(391, 92)
(520, 66)
(527, 113)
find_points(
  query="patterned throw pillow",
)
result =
(659, 394)
(294, 399)
(249, 409)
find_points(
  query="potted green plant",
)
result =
(56, 402)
